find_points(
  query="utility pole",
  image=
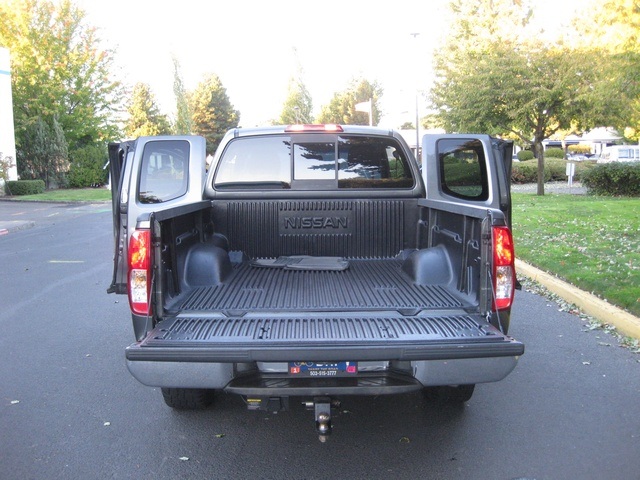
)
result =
(415, 36)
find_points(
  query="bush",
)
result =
(527, 172)
(555, 170)
(524, 155)
(87, 167)
(613, 179)
(25, 187)
(554, 153)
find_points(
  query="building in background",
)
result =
(7, 133)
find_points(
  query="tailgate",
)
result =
(323, 338)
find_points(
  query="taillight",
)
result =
(140, 272)
(504, 276)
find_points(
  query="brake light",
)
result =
(140, 272)
(313, 128)
(504, 276)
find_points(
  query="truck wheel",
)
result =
(187, 398)
(449, 395)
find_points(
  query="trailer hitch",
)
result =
(322, 408)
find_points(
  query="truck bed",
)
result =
(365, 285)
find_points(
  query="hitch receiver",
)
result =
(322, 408)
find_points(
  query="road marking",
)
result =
(66, 261)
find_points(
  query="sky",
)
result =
(255, 47)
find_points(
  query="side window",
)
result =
(258, 161)
(463, 168)
(164, 172)
(372, 163)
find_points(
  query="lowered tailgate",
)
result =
(323, 338)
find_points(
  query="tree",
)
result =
(342, 107)
(87, 166)
(498, 84)
(298, 105)
(614, 25)
(59, 71)
(144, 115)
(213, 113)
(183, 112)
(44, 153)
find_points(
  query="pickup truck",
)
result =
(315, 261)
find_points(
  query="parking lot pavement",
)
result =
(18, 215)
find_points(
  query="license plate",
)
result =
(323, 369)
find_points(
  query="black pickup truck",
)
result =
(315, 261)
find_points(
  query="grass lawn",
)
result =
(70, 195)
(591, 242)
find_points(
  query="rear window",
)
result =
(327, 161)
(164, 171)
(463, 171)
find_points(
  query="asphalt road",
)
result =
(69, 408)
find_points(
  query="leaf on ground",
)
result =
(405, 440)
(220, 435)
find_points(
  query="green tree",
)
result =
(342, 107)
(183, 112)
(44, 153)
(492, 81)
(213, 113)
(144, 115)
(87, 166)
(298, 105)
(59, 69)
(614, 26)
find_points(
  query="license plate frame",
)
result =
(323, 369)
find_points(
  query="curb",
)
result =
(625, 323)
(14, 226)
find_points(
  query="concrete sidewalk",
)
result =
(625, 323)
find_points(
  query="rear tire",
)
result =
(187, 398)
(449, 395)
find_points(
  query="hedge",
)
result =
(555, 170)
(24, 187)
(613, 179)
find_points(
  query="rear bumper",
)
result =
(221, 376)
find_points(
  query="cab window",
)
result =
(262, 162)
(366, 162)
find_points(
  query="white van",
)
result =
(620, 153)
